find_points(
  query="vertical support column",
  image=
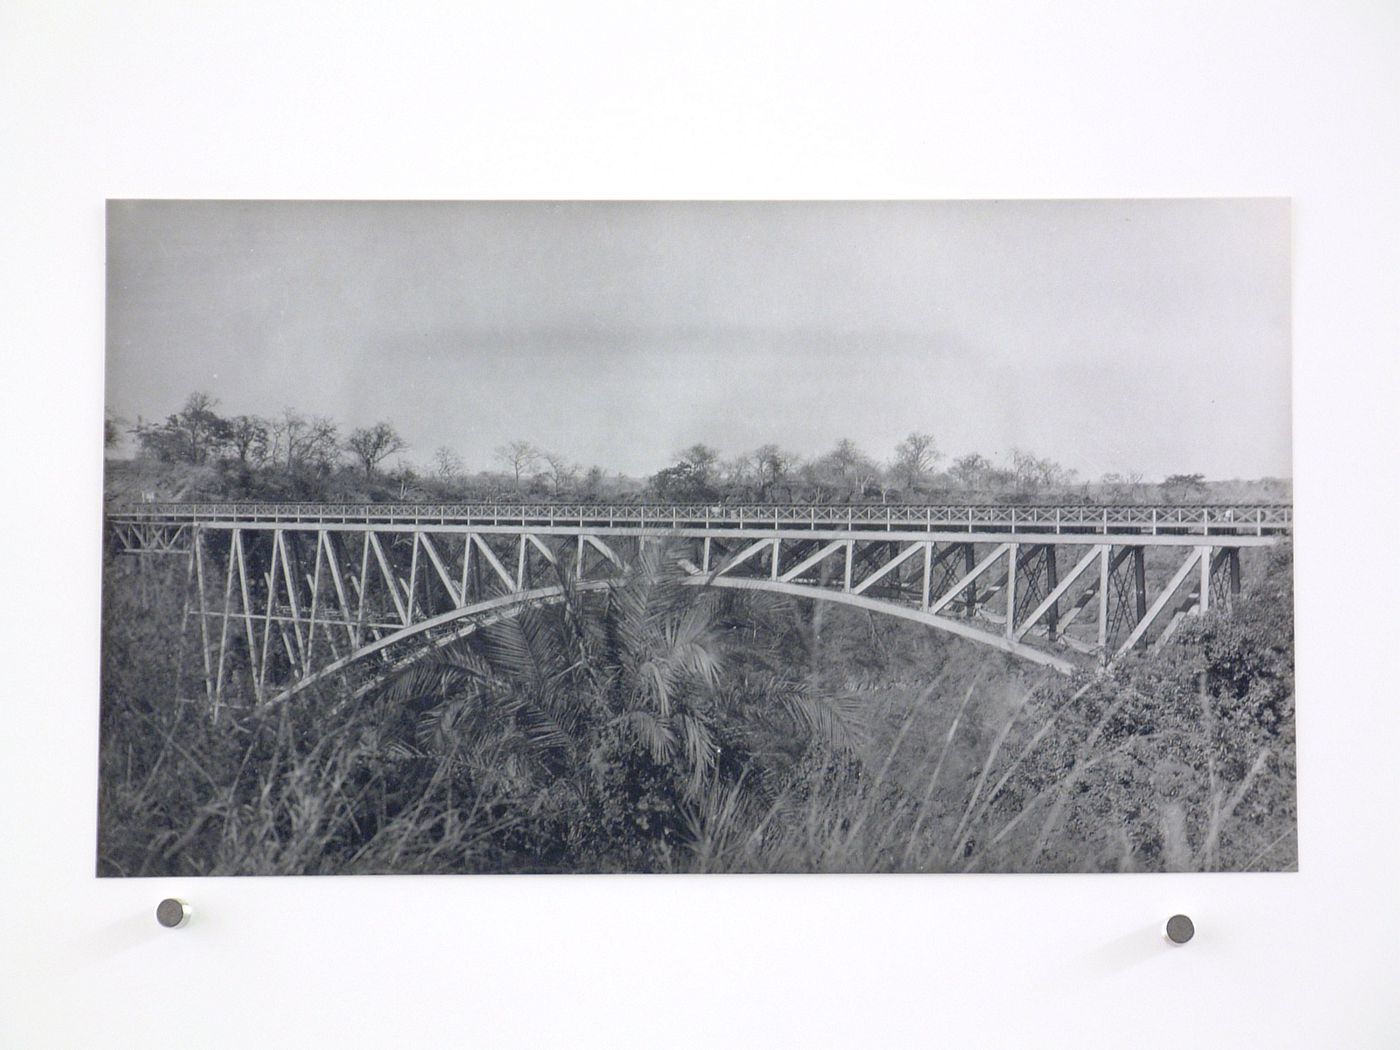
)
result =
(223, 632)
(185, 616)
(289, 578)
(237, 553)
(1013, 556)
(775, 559)
(413, 574)
(362, 585)
(467, 564)
(578, 559)
(315, 583)
(705, 554)
(1205, 553)
(1232, 567)
(271, 606)
(1052, 580)
(1140, 583)
(1105, 564)
(970, 563)
(928, 575)
(850, 558)
(520, 565)
(198, 554)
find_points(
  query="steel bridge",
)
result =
(287, 594)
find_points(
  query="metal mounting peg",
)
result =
(1179, 929)
(172, 913)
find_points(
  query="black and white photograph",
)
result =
(925, 536)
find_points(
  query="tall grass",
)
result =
(655, 733)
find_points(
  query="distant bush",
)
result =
(197, 453)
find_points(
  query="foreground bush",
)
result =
(665, 729)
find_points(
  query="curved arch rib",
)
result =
(500, 604)
(942, 623)
(504, 603)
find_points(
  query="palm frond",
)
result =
(430, 679)
(654, 678)
(834, 722)
(690, 639)
(534, 716)
(651, 732)
(701, 753)
(519, 646)
(580, 633)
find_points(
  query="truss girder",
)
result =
(283, 604)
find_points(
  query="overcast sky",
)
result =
(1108, 335)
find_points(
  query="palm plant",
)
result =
(611, 710)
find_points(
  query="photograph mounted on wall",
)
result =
(551, 537)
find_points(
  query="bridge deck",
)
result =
(1067, 519)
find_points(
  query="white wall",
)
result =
(712, 100)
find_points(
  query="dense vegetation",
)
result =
(659, 728)
(197, 453)
(655, 727)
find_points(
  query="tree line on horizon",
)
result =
(295, 455)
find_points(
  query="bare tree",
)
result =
(405, 477)
(322, 443)
(884, 481)
(248, 437)
(772, 465)
(1026, 469)
(736, 473)
(299, 442)
(288, 437)
(1134, 481)
(970, 470)
(845, 456)
(560, 470)
(202, 429)
(850, 467)
(518, 457)
(372, 445)
(702, 459)
(914, 458)
(1033, 473)
(447, 465)
(195, 434)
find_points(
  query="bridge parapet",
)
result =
(1065, 518)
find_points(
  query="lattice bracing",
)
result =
(286, 596)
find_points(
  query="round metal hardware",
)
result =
(172, 913)
(1179, 929)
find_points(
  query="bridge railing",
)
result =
(1051, 517)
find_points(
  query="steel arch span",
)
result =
(286, 596)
